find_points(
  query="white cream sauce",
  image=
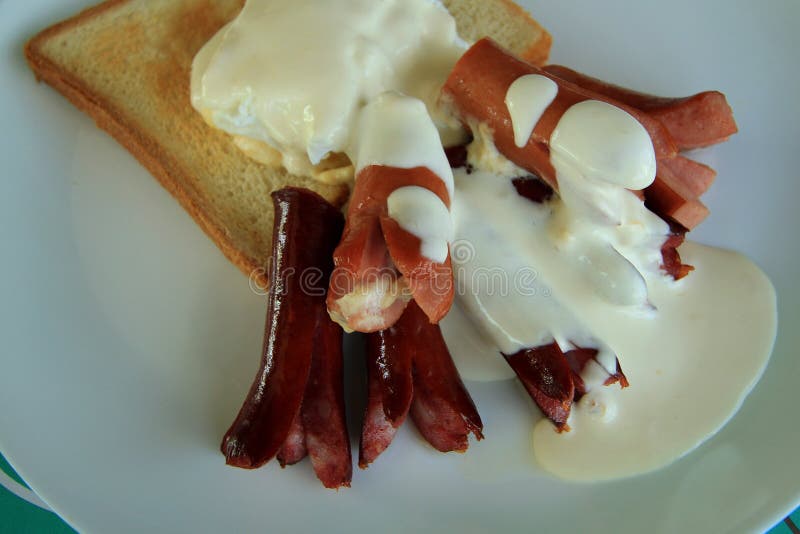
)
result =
(605, 144)
(691, 350)
(690, 355)
(421, 213)
(294, 74)
(500, 283)
(689, 369)
(527, 99)
(396, 131)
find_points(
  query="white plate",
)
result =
(128, 342)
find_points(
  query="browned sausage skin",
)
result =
(547, 378)
(375, 249)
(693, 122)
(300, 375)
(323, 409)
(478, 85)
(413, 352)
(442, 409)
(377, 430)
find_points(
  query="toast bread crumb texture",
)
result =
(505, 22)
(127, 64)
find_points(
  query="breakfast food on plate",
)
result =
(505, 217)
(486, 77)
(544, 124)
(601, 237)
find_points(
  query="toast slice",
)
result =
(127, 63)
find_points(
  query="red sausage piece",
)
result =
(377, 430)
(477, 87)
(305, 234)
(323, 410)
(696, 121)
(442, 409)
(375, 249)
(547, 378)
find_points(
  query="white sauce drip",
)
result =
(690, 359)
(505, 257)
(527, 99)
(604, 143)
(689, 369)
(396, 131)
(294, 74)
(421, 213)
(585, 267)
(497, 279)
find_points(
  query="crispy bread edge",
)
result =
(144, 149)
(539, 51)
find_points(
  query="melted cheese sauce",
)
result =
(397, 131)
(295, 74)
(584, 270)
(527, 99)
(689, 369)
(691, 354)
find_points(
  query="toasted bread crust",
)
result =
(538, 52)
(145, 150)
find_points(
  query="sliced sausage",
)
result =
(323, 410)
(548, 379)
(377, 430)
(442, 409)
(477, 87)
(379, 266)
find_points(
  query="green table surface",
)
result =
(19, 516)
